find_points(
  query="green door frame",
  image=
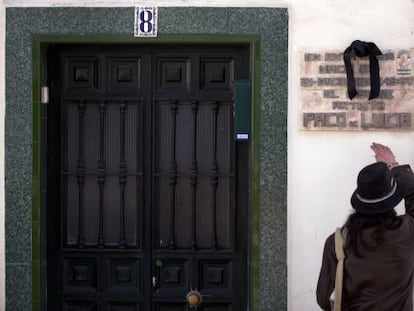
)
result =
(38, 76)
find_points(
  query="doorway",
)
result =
(147, 190)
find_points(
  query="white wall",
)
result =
(322, 165)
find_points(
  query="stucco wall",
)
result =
(323, 165)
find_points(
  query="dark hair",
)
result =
(380, 223)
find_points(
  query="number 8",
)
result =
(145, 25)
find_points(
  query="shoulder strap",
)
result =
(340, 255)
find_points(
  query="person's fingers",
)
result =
(379, 148)
(376, 148)
(382, 153)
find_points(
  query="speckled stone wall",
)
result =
(271, 27)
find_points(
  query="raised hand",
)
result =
(384, 154)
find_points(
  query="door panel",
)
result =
(147, 190)
(102, 150)
(195, 194)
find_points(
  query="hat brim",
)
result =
(378, 207)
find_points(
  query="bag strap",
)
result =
(340, 255)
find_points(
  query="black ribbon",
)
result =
(362, 49)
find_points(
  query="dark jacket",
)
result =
(381, 280)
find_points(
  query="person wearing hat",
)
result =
(379, 244)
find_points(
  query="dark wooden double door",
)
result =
(147, 191)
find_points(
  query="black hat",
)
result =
(378, 192)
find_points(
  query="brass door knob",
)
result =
(194, 298)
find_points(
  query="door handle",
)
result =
(194, 298)
(158, 265)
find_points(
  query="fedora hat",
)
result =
(377, 191)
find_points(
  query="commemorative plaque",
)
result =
(325, 104)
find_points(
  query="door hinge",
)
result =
(44, 95)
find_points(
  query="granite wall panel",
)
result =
(269, 25)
